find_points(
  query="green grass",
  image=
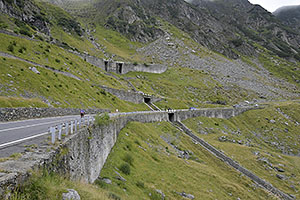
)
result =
(117, 44)
(60, 90)
(254, 127)
(184, 88)
(157, 166)
(43, 185)
(279, 67)
(21, 102)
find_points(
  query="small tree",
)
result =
(102, 119)
(125, 168)
(10, 48)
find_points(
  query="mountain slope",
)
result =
(290, 15)
(253, 24)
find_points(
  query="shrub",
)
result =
(140, 184)
(10, 48)
(114, 196)
(25, 32)
(102, 119)
(57, 60)
(237, 42)
(125, 168)
(22, 49)
(129, 159)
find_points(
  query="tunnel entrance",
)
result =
(147, 99)
(119, 68)
(171, 117)
(106, 65)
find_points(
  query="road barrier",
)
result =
(69, 127)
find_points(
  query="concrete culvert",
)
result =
(171, 117)
(147, 100)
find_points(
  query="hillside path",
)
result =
(3, 54)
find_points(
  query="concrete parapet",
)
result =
(10, 114)
(181, 115)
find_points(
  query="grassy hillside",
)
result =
(57, 89)
(264, 141)
(151, 153)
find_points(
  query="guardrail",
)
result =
(69, 127)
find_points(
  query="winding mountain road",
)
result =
(14, 136)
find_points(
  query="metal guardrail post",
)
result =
(79, 122)
(72, 127)
(59, 131)
(52, 130)
(67, 128)
(88, 120)
(75, 127)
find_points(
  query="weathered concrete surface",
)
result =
(86, 152)
(11, 114)
(81, 156)
(225, 113)
(134, 97)
(112, 66)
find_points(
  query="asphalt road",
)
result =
(14, 136)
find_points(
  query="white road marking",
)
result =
(20, 127)
(23, 139)
(37, 119)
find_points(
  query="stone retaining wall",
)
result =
(11, 114)
(130, 96)
(88, 150)
(225, 113)
(133, 97)
(112, 66)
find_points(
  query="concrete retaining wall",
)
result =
(151, 68)
(87, 151)
(11, 114)
(226, 113)
(112, 66)
(133, 97)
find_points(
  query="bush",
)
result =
(10, 48)
(129, 159)
(114, 196)
(140, 184)
(125, 168)
(57, 60)
(237, 42)
(25, 32)
(102, 119)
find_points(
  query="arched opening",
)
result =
(147, 99)
(171, 117)
(119, 67)
(106, 65)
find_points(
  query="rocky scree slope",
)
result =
(230, 27)
(26, 11)
(252, 24)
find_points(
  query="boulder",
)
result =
(71, 195)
